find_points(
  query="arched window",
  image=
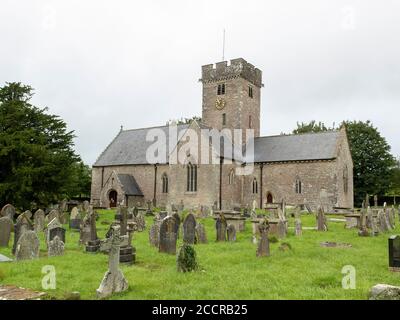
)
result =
(345, 179)
(164, 183)
(299, 186)
(191, 178)
(255, 186)
(231, 177)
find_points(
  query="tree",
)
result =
(373, 162)
(38, 165)
(374, 165)
(312, 126)
(394, 189)
(186, 120)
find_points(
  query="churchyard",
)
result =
(304, 264)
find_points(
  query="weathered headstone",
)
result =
(282, 228)
(93, 244)
(63, 206)
(186, 260)
(85, 206)
(263, 245)
(75, 219)
(27, 246)
(363, 231)
(370, 217)
(375, 201)
(394, 253)
(127, 251)
(38, 221)
(177, 218)
(383, 227)
(113, 280)
(231, 233)
(85, 231)
(221, 226)
(298, 227)
(53, 214)
(56, 247)
(6, 226)
(154, 233)
(149, 212)
(8, 211)
(168, 236)
(64, 217)
(189, 229)
(384, 292)
(56, 232)
(162, 215)
(201, 236)
(22, 225)
(321, 220)
(140, 222)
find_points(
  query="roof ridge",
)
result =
(153, 127)
(300, 134)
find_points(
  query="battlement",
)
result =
(237, 68)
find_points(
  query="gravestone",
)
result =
(22, 225)
(26, 214)
(75, 219)
(392, 216)
(394, 253)
(383, 227)
(231, 233)
(27, 246)
(370, 217)
(64, 217)
(282, 230)
(177, 223)
(162, 215)
(263, 245)
(186, 259)
(85, 231)
(363, 231)
(321, 220)
(8, 211)
(189, 229)
(375, 201)
(298, 228)
(85, 206)
(201, 236)
(93, 243)
(53, 214)
(181, 206)
(221, 226)
(168, 237)
(140, 222)
(149, 212)
(56, 232)
(56, 247)
(38, 221)
(63, 206)
(6, 226)
(113, 280)
(154, 233)
(127, 251)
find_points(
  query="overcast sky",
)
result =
(103, 64)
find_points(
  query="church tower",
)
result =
(231, 95)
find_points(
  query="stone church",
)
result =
(307, 169)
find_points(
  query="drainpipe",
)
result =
(155, 185)
(261, 185)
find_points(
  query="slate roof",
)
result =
(129, 147)
(130, 185)
(310, 146)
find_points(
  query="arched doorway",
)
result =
(112, 196)
(270, 199)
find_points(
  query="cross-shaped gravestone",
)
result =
(93, 244)
(221, 226)
(113, 280)
(127, 252)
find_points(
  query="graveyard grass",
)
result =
(227, 270)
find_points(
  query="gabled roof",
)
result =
(310, 146)
(130, 146)
(130, 185)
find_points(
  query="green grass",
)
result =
(227, 270)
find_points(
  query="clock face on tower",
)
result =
(220, 104)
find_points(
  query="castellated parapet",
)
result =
(237, 68)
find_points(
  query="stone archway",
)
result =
(112, 197)
(270, 198)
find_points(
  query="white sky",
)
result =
(102, 64)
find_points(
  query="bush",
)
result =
(186, 260)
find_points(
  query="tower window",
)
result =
(231, 177)
(255, 186)
(345, 180)
(191, 180)
(298, 186)
(250, 92)
(224, 119)
(250, 123)
(221, 89)
(165, 183)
